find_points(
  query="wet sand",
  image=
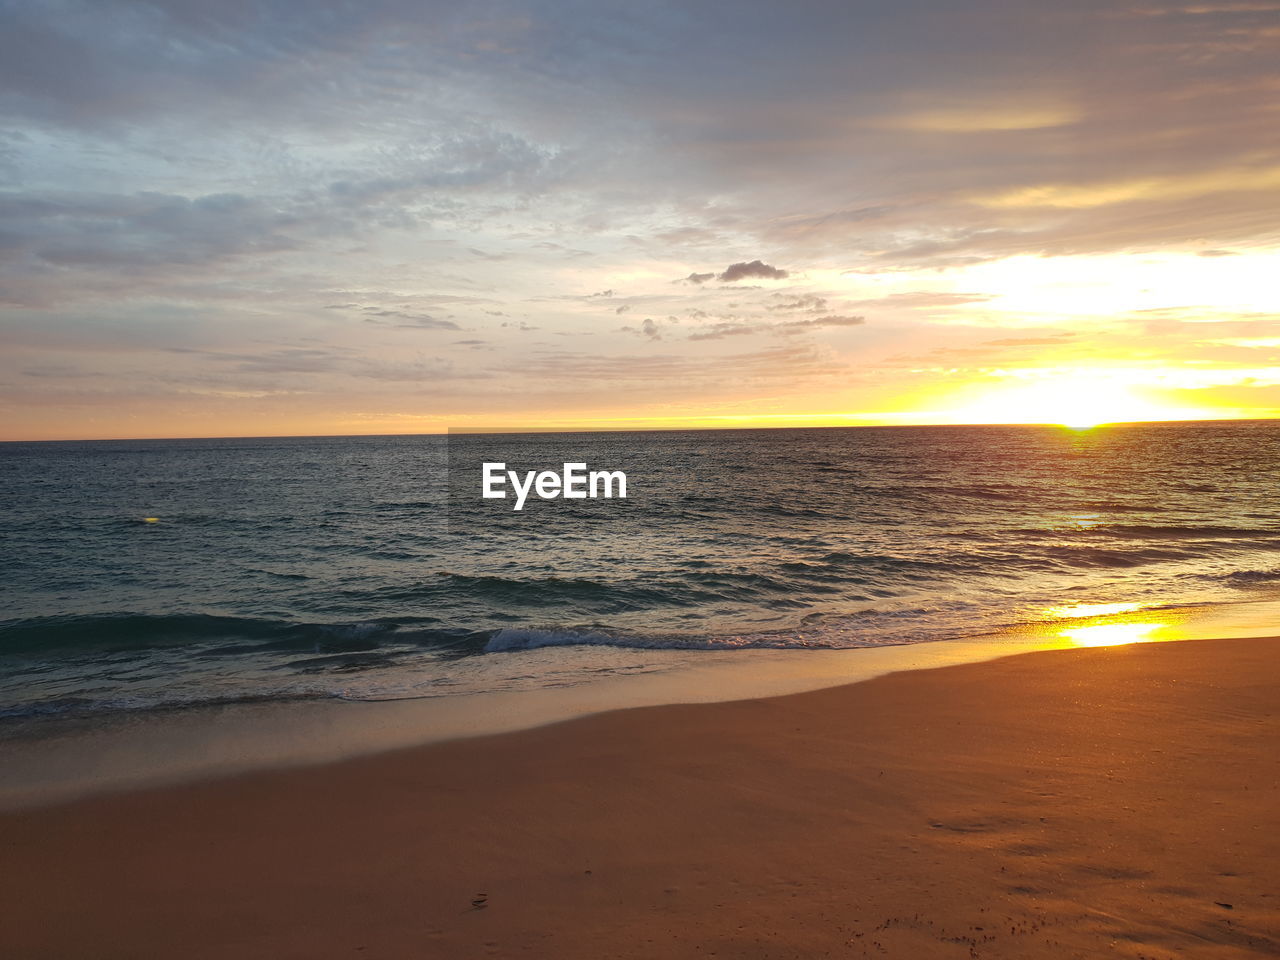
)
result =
(1117, 801)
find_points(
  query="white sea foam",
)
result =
(523, 638)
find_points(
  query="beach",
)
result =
(1114, 801)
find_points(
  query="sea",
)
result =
(145, 575)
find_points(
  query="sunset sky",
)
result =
(266, 218)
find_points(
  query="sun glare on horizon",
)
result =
(1078, 402)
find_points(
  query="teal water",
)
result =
(299, 568)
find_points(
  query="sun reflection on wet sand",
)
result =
(1086, 624)
(1111, 634)
(1107, 624)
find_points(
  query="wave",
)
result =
(137, 631)
(1249, 576)
(512, 639)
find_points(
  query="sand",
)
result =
(1109, 802)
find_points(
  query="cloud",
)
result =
(831, 321)
(723, 329)
(806, 301)
(777, 363)
(756, 268)
(416, 321)
(718, 331)
(739, 271)
(1234, 179)
(466, 160)
(302, 363)
(404, 317)
(648, 328)
(50, 235)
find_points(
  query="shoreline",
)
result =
(59, 760)
(1115, 800)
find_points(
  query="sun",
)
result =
(1083, 423)
(1079, 401)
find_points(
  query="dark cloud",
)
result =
(933, 103)
(144, 233)
(756, 268)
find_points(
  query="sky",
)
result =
(313, 217)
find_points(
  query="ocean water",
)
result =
(137, 575)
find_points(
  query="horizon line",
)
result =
(497, 431)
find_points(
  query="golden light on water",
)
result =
(1069, 611)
